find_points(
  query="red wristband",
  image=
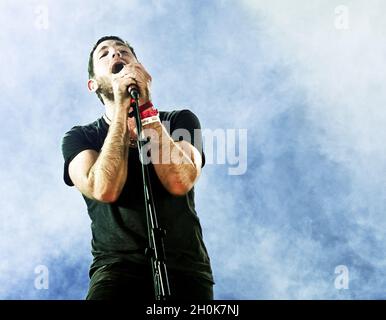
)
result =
(145, 106)
(147, 110)
(149, 113)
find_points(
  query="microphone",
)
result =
(133, 91)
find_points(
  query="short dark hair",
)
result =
(91, 73)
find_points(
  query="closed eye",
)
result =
(103, 55)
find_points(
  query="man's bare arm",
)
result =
(102, 176)
(177, 164)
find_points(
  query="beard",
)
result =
(105, 89)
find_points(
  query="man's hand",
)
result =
(131, 74)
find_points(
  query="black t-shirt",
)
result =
(119, 229)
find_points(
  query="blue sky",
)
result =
(307, 91)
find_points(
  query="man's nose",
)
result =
(116, 53)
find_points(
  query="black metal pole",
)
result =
(155, 250)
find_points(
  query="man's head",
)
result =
(108, 56)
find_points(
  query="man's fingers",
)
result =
(135, 71)
(132, 74)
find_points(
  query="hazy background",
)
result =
(305, 78)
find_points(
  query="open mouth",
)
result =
(117, 67)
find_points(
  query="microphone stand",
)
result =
(155, 249)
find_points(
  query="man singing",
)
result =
(102, 161)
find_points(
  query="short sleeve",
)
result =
(186, 126)
(73, 142)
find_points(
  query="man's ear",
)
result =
(92, 85)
